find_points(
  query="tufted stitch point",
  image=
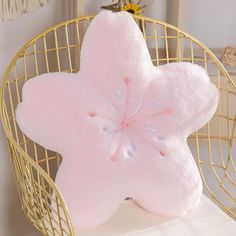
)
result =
(113, 158)
(92, 114)
(162, 154)
(124, 124)
(127, 81)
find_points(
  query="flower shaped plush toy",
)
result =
(120, 124)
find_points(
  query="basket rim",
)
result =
(89, 17)
(65, 23)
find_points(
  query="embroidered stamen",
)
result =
(94, 114)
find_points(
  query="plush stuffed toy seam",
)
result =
(120, 124)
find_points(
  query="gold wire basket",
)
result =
(58, 49)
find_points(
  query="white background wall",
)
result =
(212, 21)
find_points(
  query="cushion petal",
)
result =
(50, 115)
(109, 36)
(175, 100)
(88, 188)
(165, 173)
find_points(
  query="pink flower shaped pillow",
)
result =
(120, 124)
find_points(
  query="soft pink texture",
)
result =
(120, 124)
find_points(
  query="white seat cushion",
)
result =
(130, 220)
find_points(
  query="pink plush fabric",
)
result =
(120, 124)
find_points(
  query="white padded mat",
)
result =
(130, 220)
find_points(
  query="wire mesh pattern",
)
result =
(58, 49)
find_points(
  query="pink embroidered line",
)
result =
(149, 143)
(164, 112)
(127, 81)
(93, 114)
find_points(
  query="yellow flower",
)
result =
(133, 8)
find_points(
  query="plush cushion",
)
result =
(120, 124)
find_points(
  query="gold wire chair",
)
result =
(58, 49)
